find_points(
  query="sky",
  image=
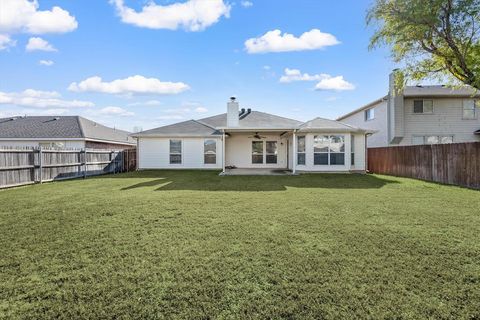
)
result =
(143, 64)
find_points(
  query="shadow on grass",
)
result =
(168, 180)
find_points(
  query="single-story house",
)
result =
(73, 132)
(251, 139)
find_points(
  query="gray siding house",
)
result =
(420, 115)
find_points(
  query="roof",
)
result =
(328, 125)
(60, 127)
(190, 128)
(439, 91)
(254, 120)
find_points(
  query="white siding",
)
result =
(447, 119)
(379, 123)
(72, 144)
(239, 151)
(154, 153)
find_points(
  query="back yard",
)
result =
(191, 244)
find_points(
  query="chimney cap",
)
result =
(232, 98)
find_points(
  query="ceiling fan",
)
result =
(257, 136)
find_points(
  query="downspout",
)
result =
(294, 155)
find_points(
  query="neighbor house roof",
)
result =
(364, 107)
(329, 125)
(254, 120)
(60, 127)
(189, 128)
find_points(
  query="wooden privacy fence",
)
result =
(27, 165)
(456, 163)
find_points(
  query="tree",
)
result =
(431, 38)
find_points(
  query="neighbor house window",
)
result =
(53, 144)
(369, 114)
(175, 151)
(271, 152)
(257, 151)
(470, 109)
(301, 150)
(352, 150)
(329, 150)
(210, 152)
(422, 106)
(431, 139)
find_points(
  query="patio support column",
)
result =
(223, 151)
(294, 155)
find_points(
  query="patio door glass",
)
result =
(271, 152)
(257, 152)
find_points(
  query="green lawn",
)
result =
(191, 244)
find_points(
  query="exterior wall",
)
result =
(154, 153)
(108, 146)
(446, 119)
(238, 151)
(72, 144)
(359, 155)
(379, 123)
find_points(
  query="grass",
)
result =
(191, 244)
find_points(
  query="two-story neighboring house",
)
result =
(420, 115)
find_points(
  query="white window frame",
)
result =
(352, 150)
(170, 153)
(263, 152)
(270, 154)
(475, 104)
(438, 136)
(205, 152)
(369, 114)
(304, 152)
(329, 151)
(423, 106)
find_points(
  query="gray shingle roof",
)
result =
(254, 120)
(326, 124)
(59, 127)
(189, 128)
(438, 91)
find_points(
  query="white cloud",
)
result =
(201, 110)
(40, 99)
(192, 15)
(170, 117)
(6, 42)
(146, 103)
(275, 41)
(115, 111)
(325, 81)
(24, 16)
(47, 63)
(267, 67)
(246, 4)
(334, 83)
(131, 85)
(32, 112)
(38, 44)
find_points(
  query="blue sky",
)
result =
(189, 62)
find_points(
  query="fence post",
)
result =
(40, 164)
(84, 163)
(112, 161)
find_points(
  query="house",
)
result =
(244, 138)
(420, 115)
(61, 132)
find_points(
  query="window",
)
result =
(329, 150)
(175, 151)
(417, 140)
(301, 150)
(271, 152)
(470, 109)
(352, 150)
(53, 144)
(257, 151)
(210, 152)
(369, 114)
(422, 106)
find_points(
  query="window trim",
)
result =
(205, 153)
(352, 150)
(263, 152)
(304, 152)
(267, 154)
(367, 112)
(423, 107)
(328, 152)
(476, 108)
(170, 152)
